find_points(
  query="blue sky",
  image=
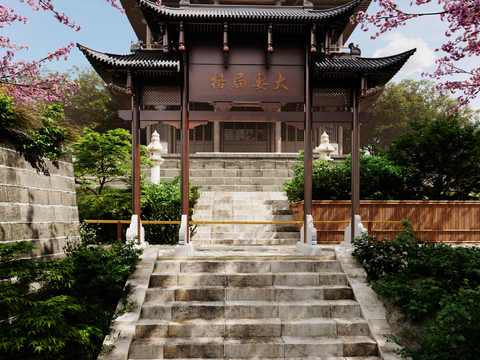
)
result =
(107, 29)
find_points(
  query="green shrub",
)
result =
(163, 202)
(34, 312)
(100, 276)
(429, 281)
(329, 181)
(61, 309)
(380, 179)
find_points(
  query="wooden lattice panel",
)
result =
(331, 97)
(160, 94)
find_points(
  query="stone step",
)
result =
(238, 180)
(300, 309)
(335, 284)
(233, 228)
(258, 347)
(168, 348)
(245, 236)
(241, 242)
(246, 266)
(165, 310)
(245, 328)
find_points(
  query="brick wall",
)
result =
(37, 203)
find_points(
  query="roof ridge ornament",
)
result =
(135, 47)
(184, 3)
(354, 50)
(307, 5)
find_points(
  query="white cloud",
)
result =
(423, 58)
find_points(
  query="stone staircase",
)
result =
(233, 172)
(242, 206)
(244, 309)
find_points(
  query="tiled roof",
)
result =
(383, 69)
(251, 13)
(141, 60)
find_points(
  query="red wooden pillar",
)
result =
(355, 162)
(184, 189)
(307, 148)
(131, 81)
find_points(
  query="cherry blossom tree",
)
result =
(22, 79)
(463, 19)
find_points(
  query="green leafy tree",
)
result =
(100, 159)
(92, 105)
(443, 158)
(402, 103)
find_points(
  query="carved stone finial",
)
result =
(324, 149)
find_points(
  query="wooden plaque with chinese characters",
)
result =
(246, 77)
(246, 83)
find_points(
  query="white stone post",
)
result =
(309, 247)
(358, 229)
(183, 249)
(155, 149)
(132, 233)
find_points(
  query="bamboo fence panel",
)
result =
(447, 221)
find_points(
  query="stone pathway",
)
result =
(232, 302)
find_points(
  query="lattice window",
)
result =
(330, 130)
(161, 94)
(250, 131)
(284, 132)
(291, 133)
(209, 132)
(239, 131)
(228, 132)
(199, 132)
(179, 134)
(262, 132)
(190, 135)
(331, 97)
(161, 131)
(300, 135)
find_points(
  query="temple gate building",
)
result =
(244, 76)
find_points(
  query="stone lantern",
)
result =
(155, 150)
(324, 149)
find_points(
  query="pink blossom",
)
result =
(23, 79)
(463, 18)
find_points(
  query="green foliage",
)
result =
(329, 181)
(92, 105)
(33, 318)
(380, 179)
(100, 159)
(163, 202)
(443, 158)
(42, 137)
(6, 113)
(430, 280)
(402, 103)
(99, 283)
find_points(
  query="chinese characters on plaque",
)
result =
(239, 82)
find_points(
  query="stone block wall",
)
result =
(37, 203)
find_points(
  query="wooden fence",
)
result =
(447, 221)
